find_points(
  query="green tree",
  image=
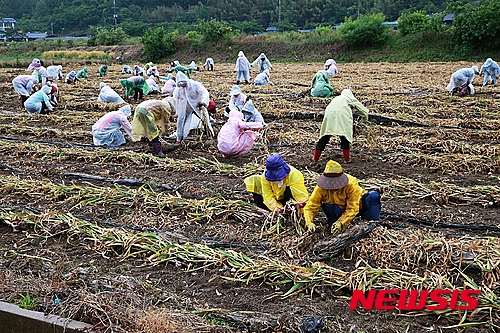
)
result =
(478, 27)
(214, 31)
(134, 28)
(158, 43)
(104, 36)
(249, 27)
(368, 30)
(411, 23)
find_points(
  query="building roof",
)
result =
(8, 19)
(306, 30)
(449, 17)
(272, 28)
(36, 35)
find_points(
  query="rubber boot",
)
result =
(347, 156)
(157, 149)
(317, 154)
(23, 99)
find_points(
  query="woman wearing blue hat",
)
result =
(278, 184)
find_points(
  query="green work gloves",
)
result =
(336, 228)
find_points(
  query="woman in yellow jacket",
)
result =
(341, 198)
(279, 183)
(338, 121)
(150, 120)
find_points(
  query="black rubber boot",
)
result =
(23, 99)
(157, 149)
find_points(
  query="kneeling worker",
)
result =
(341, 198)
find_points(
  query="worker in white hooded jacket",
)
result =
(190, 97)
(461, 81)
(491, 71)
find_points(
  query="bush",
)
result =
(323, 30)
(478, 27)
(214, 31)
(412, 23)
(249, 27)
(194, 37)
(134, 28)
(419, 22)
(158, 43)
(104, 36)
(368, 30)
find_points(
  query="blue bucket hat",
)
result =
(276, 168)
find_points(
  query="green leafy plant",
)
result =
(478, 27)
(367, 30)
(411, 23)
(214, 31)
(195, 37)
(27, 302)
(158, 43)
(104, 36)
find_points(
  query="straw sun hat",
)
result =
(333, 177)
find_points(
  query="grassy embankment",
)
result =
(279, 47)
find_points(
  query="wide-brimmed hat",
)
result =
(333, 177)
(276, 168)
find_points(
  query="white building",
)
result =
(7, 23)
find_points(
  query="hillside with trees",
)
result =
(364, 37)
(136, 16)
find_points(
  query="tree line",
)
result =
(134, 17)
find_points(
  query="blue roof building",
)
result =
(36, 36)
(7, 23)
(272, 29)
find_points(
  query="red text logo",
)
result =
(411, 300)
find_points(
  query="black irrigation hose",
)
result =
(354, 239)
(124, 181)
(371, 117)
(417, 220)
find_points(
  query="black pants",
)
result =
(138, 93)
(23, 99)
(344, 143)
(45, 109)
(259, 200)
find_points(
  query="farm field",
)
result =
(133, 243)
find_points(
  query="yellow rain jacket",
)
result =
(150, 118)
(270, 191)
(338, 118)
(348, 198)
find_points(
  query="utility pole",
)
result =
(115, 16)
(52, 27)
(358, 10)
(279, 11)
